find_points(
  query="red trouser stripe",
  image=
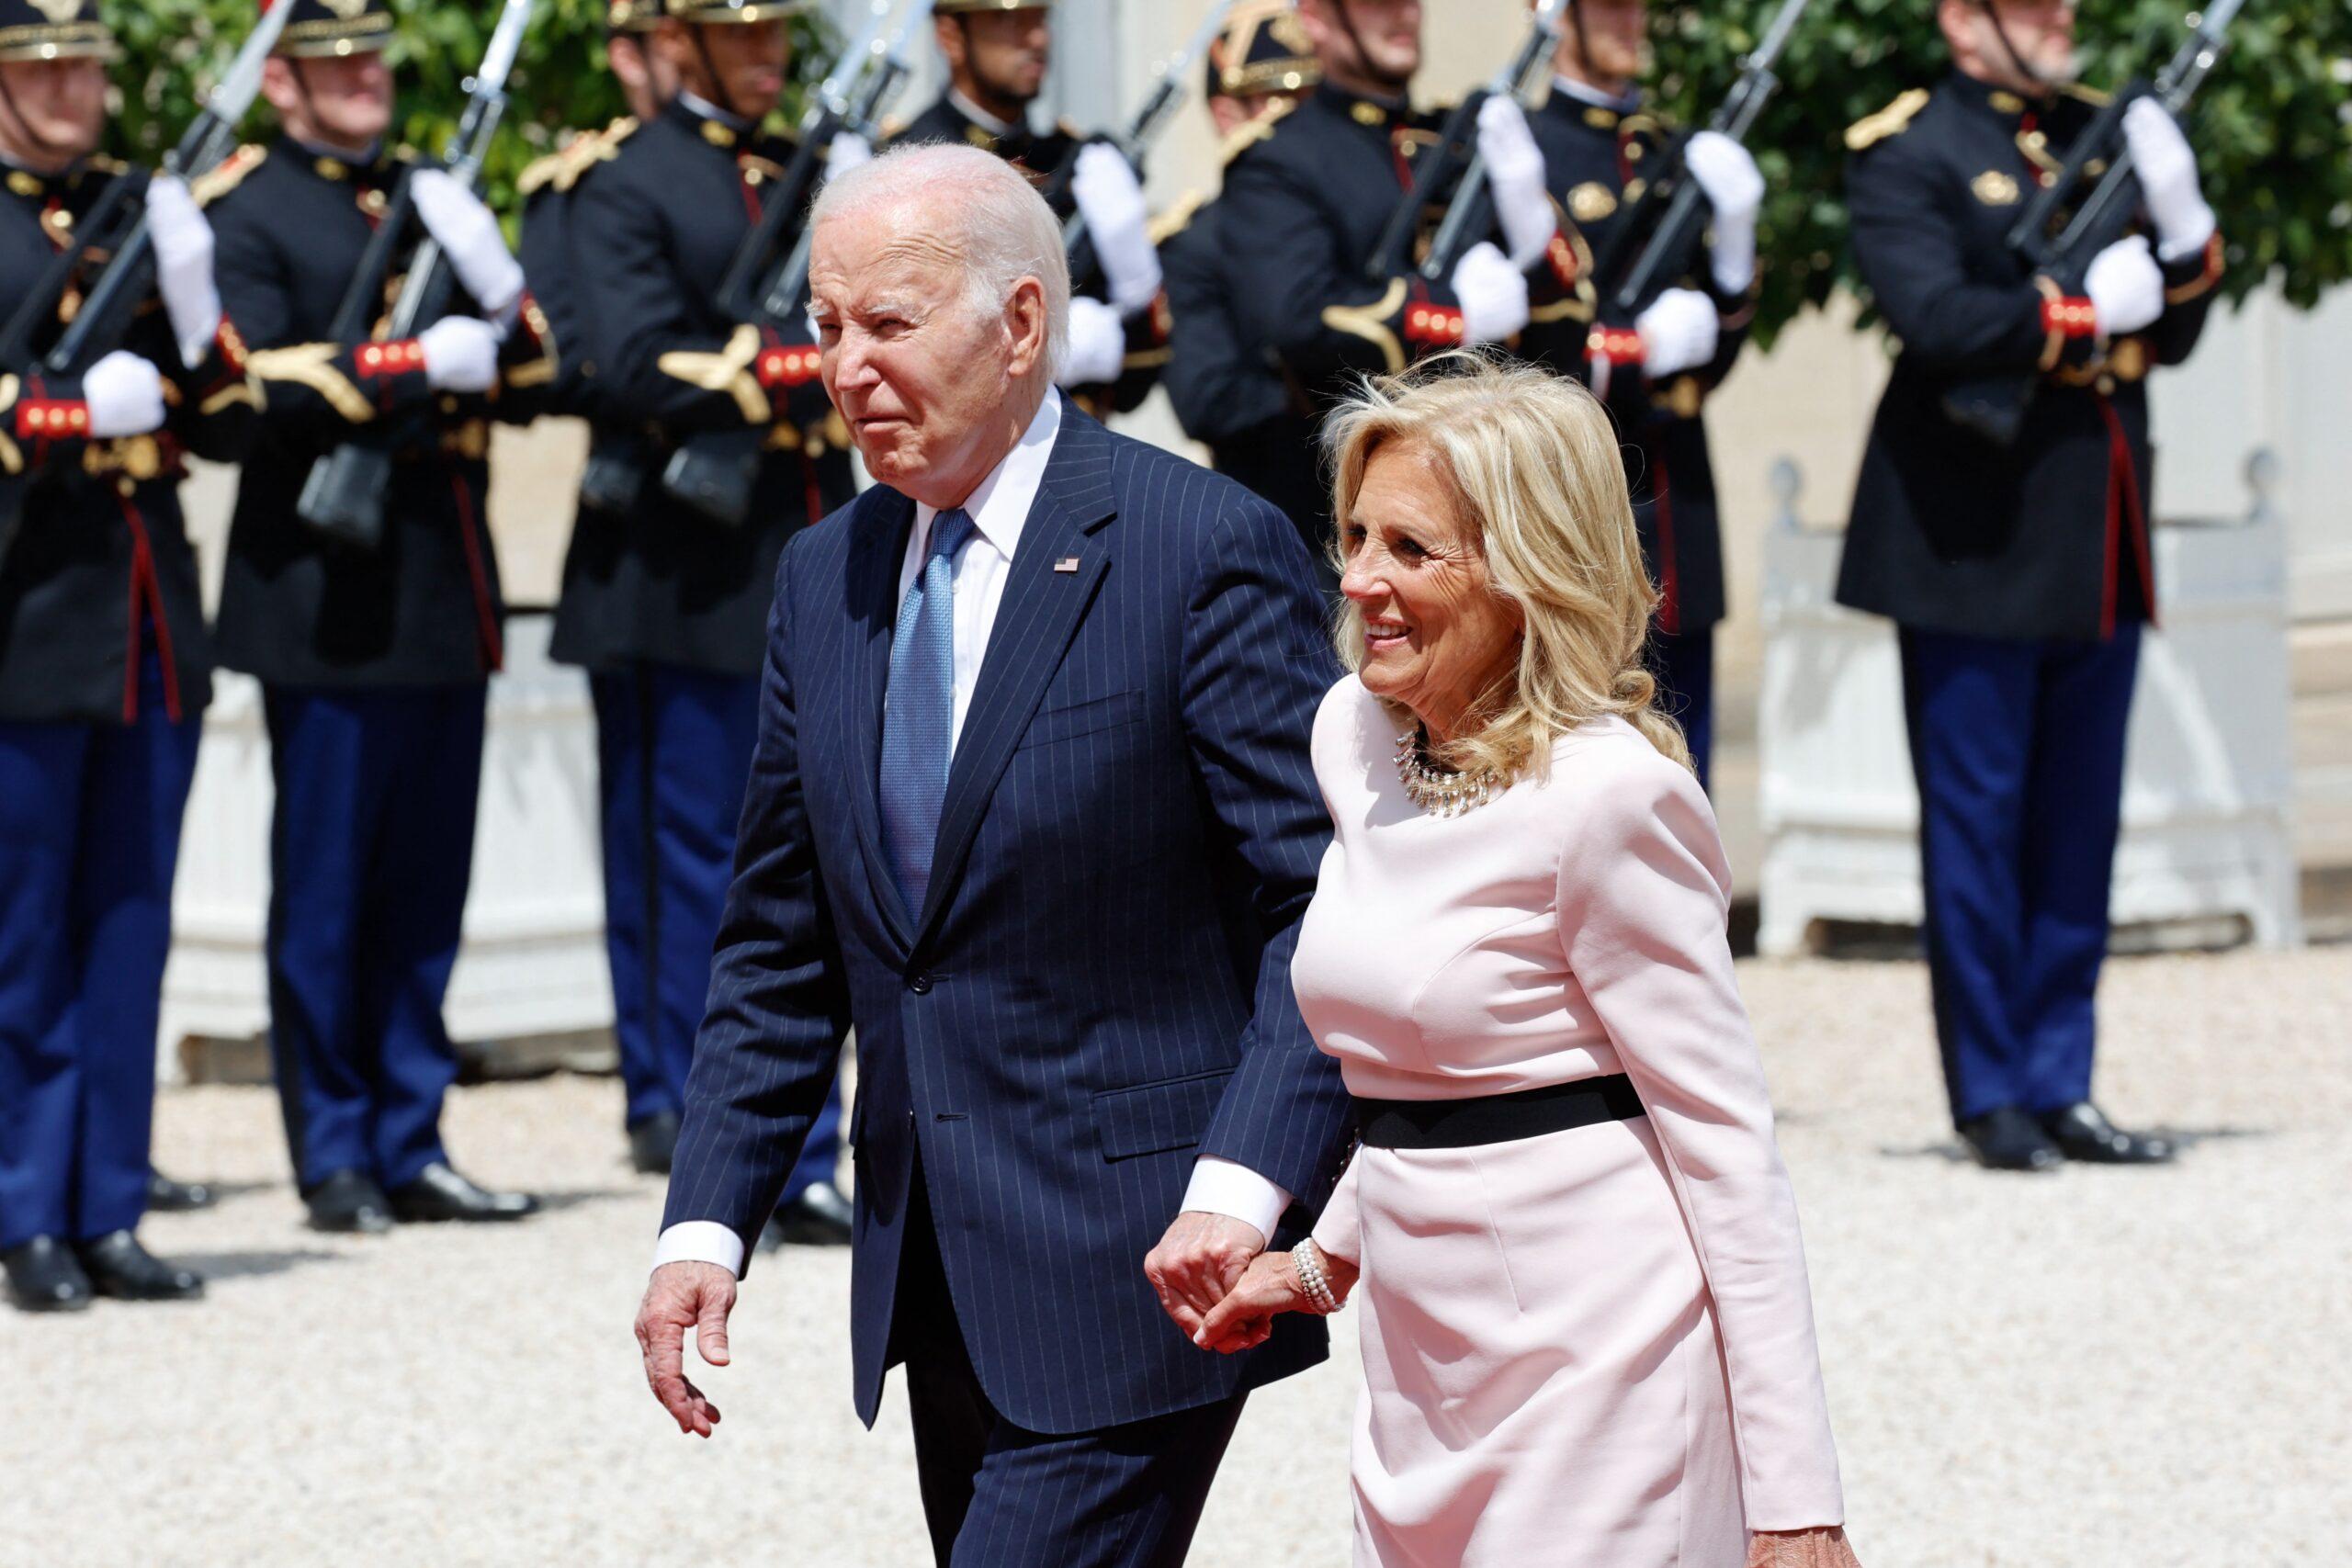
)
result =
(493, 648)
(2124, 508)
(147, 595)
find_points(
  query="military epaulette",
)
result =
(227, 175)
(562, 168)
(1177, 219)
(1892, 120)
(1248, 136)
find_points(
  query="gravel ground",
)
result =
(2125, 1368)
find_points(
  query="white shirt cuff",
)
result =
(1222, 1187)
(700, 1241)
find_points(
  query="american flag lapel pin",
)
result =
(1068, 565)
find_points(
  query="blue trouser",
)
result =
(674, 747)
(1684, 665)
(2018, 748)
(89, 837)
(370, 855)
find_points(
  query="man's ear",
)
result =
(1026, 323)
(277, 84)
(949, 32)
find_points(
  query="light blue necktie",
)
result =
(919, 712)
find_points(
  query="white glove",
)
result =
(468, 234)
(125, 394)
(1111, 201)
(183, 243)
(2126, 287)
(847, 150)
(1679, 333)
(460, 354)
(1492, 293)
(1734, 188)
(1516, 178)
(2168, 172)
(1098, 346)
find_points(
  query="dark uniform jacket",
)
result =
(1600, 162)
(1951, 532)
(297, 607)
(652, 231)
(99, 570)
(1049, 158)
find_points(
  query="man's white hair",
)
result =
(994, 218)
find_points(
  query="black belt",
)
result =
(1495, 1118)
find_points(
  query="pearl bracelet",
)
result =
(1307, 1259)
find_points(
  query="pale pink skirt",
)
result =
(1543, 1381)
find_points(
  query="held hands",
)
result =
(1515, 174)
(1679, 332)
(460, 354)
(2126, 287)
(1734, 188)
(682, 1296)
(1111, 201)
(124, 396)
(2168, 171)
(1197, 1263)
(1492, 293)
(468, 232)
(183, 243)
(1245, 1318)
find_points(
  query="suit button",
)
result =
(919, 984)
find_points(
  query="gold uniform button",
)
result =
(1367, 114)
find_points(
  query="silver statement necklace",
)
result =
(1439, 791)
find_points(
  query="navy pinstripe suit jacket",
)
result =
(1098, 989)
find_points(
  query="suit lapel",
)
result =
(878, 554)
(1041, 610)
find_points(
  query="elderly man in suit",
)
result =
(1032, 808)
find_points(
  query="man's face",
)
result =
(63, 106)
(921, 371)
(740, 66)
(1376, 39)
(1005, 54)
(1614, 42)
(341, 100)
(2041, 32)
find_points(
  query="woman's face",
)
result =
(1436, 634)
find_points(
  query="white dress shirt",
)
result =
(999, 511)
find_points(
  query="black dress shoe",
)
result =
(654, 1143)
(165, 1196)
(44, 1276)
(350, 1202)
(121, 1268)
(2082, 1131)
(819, 1217)
(440, 1193)
(2008, 1139)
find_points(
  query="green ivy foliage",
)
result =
(2273, 127)
(176, 49)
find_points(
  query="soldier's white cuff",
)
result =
(1223, 1186)
(700, 1241)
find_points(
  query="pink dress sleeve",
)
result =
(1335, 1229)
(1644, 891)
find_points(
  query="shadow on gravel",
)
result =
(556, 1203)
(251, 1265)
(1953, 1152)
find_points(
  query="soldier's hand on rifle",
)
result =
(1679, 332)
(460, 354)
(2168, 171)
(469, 235)
(1098, 346)
(1111, 201)
(2126, 287)
(1734, 188)
(1516, 176)
(125, 394)
(182, 242)
(1492, 293)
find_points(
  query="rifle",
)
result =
(1468, 214)
(1170, 82)
(344, 496)
(99, 326)
(1669, 222)
(1995, 407)
(716, 471)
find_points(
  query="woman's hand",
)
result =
(1822, 1547)
(1269, 1285)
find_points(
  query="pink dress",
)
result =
(1593, 1346)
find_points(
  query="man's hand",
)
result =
(682, 1296)
(1197, 1262)
(468, 232)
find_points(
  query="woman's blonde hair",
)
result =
(1534, 460)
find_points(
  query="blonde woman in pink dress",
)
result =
(1587, 1337)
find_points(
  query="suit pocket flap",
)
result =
(1149, 1118)
(1089, 717)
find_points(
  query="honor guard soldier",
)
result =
(1228, 391)
(1658, 365)
(997, 53)
(374, 659)
(664, 606)
(1309, 201)
(105, 667)
(2018, 575)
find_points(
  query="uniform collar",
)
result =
(1372, 112)
(1985, 98)
(707, 121)
(1581, 95)
(336, 164)
(1003, 130)
(25, 183)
